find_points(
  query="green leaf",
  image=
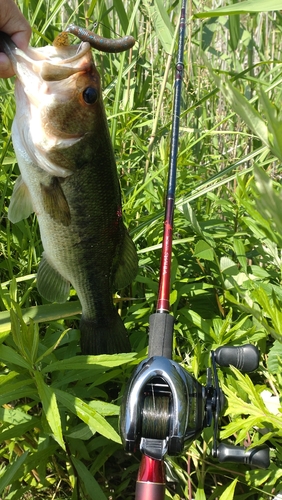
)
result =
(52, 348)
(50, 407)
(91, 417)
(15, 416)
(103, 455)
(25, 392)
(80, 431)
(240, 252)
(270, 308)
(260, 477)
(173, 297)
(25, 337)
(234, 31)
(200, 494)
(228, 494)
(90, 362)
(197, 320)
(10, 356)
(33, 460)
(259, 272)
(270, 201)
(120, 10)
(161, 22)
(255, 406)
(105, 409)
(19, 430)
(275, 357)
(7, 476)
(244, 109)
(191, 217)
(274, 123)
(87, 480)
(243, 8)
(40, 314)
(203, 250)
(228, 266)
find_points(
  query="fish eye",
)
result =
(90, 95)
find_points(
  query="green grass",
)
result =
(59, 411)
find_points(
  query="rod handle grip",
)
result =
(160, 335)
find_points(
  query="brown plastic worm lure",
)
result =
(96, 41)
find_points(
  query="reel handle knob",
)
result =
(245, 357)
(257, 457)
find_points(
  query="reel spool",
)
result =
(165, 408)
(155, 417)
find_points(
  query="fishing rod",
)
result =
(164, 407)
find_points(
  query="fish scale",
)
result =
(69, 179)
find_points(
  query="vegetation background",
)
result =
(59, 411)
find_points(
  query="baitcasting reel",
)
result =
(165, 408)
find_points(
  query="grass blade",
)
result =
(243, 8)
(7, 477)
(87, 481)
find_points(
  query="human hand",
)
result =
(14, 24)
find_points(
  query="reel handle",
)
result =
(245, 358)
(257, 457)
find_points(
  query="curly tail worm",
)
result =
(96, 41)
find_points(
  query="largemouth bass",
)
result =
(69, 179)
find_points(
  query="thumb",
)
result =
(14, 23)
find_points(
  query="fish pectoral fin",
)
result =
(20, 203)
(128, 263)
(51, 284)
(55, 202)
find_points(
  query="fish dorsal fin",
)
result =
(51, 284)
(128, 263)
(20, 203)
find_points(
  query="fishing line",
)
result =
(155, 417)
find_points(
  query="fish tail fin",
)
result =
(109, 338)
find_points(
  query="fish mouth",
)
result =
(46, 82)
(50, 63)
